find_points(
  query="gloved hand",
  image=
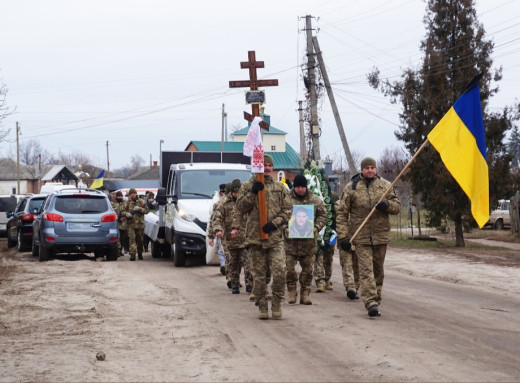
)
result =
(128, 214)
(136, 208)
(345, 244)
(257, 186)
(269, 227)
(382, 206)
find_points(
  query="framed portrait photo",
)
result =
(301, 224)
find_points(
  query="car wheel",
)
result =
(44, 254)
(21, 247)
(10, 242)
(112, 254)
(179, 257)
(35, 249)
(166, 250)
(156, 249)
(499, 224)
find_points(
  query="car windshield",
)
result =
(202, 184)
(81, 204)
(35, 204)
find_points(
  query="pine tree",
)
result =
(455, 51)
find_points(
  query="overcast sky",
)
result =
(81, 73)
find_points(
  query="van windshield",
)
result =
(202, 184)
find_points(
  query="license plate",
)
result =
(3, 226)
(79, 226)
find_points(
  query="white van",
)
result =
(7, 203)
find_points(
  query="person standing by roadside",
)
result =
(118, 204)
(359, 197)
(135, 210)
(302, 250)
(262, 251)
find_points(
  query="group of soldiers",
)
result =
(130, 213)
(235, 225)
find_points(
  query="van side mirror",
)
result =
(160, 198)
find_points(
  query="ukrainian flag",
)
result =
(98, 181)
(459, 139)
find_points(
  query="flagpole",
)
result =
(388, 190)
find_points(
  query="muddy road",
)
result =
(450, 316)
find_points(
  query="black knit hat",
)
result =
(300, 180)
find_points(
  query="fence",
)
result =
(514, 212)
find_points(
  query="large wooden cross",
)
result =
(253, 83)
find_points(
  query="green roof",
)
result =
(283, 160)
(272, 130)
(216, 146)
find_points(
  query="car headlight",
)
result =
(186, 216)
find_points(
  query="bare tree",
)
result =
(4, 110)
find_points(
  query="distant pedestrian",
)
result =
(135, 210)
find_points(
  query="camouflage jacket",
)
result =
(210, 232)
(279, 209)
(355, 204)
(119, 209)
(223, 221)
(137, 220)
(307, 245)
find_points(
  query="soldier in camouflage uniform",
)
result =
(303, 250)
(359, 197)
(118, 205)
(135, 210)
(279, 209)
(211, 232)
(222, 227)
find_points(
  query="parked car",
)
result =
(76, 221)
(7, 204)
(19, 225)
(500, 217)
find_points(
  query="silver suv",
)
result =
(75, 221)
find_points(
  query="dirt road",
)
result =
(446, 317)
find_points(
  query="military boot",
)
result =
(262, 307)
(304, 298)
(320, 288)
(140, 256)
(276, 308)
(293, 295)
(328, 286)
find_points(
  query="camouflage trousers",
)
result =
(306, 264)
(225, 250)
(261, 260)
(323, 265)
(135, 236)
(371, 273)
(123, 234)
(350, 270)
(238, 259)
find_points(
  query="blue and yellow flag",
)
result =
(459, 139)
(98, 181)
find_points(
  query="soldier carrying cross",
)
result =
(264, 241)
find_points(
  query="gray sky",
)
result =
(134, 72)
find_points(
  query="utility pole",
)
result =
(223, 129)
(17, 158)
(332, 100)
(108, 162)
(303, 147)
(311, 67)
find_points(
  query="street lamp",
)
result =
(160, 150)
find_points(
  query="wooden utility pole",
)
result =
(17, 158)
(303, 147)
(108, 163)
(311, 67)
(332, 100)
(223, 137)
(255, 98)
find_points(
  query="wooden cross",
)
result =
(253, 83)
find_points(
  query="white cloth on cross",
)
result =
(253, 146)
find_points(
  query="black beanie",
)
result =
(300, 180)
